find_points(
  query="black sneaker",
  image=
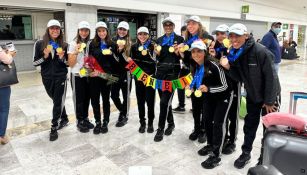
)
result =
(122, 121)
(205, 150)
(82, 127)
(63, 123)
(159, 135)
(104, 128)
(142, 129)
(194, 135)
(88, 124)
(97, 128)
(212, 162)
(229, 148)
(242, 160)
(179, 109)
(150, 129)
(169, 130)
(53, 134)
(202, 138)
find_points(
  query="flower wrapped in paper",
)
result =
(91, 68)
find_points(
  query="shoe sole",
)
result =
(54, 139)
(83, 131)
(121, 125)
(179, 112)
(211, 167)
(158, 140)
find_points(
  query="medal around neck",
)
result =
(83, 72)
(121, 42)
(198, 93)
(144, 52)
(106, 52)
(188, 92)
(141, 48)
(171, 49)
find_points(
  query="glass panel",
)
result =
(15, 27)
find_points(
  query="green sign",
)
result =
(245, 9)
(285, 26)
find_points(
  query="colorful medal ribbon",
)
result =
(168, 40)
(198, 77)
(234, 54)
(192, 39)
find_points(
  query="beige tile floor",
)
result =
(122, 149)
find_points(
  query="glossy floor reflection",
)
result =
(30, 151)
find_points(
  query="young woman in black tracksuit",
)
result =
(194, 32)
(51, 54)
(124, 83)
(217, 101)
(145, 59)
(168, 67)
(99, 86)
(217, 50)
(80, 85)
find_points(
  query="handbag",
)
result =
(8, 74)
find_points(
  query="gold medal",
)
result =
(82, 46)
(188, 92)
(59, 50)
(198, 93)
(226, 43)
(144, 52)
(83, 72)
(121, 42)
(186, 47)
(49, 47)
(158, 48)
(171, 49)
(141, 48)
(182, 49)
(106, 52)
(224, 61)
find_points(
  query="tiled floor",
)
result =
(121, 149)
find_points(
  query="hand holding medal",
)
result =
(82, 47)
(224, 62)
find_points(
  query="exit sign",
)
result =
(245, 9)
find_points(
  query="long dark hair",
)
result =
(97, 39)
(59, 40)
(78, 38)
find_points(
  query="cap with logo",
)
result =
(101, 24)
(53, 22)
(143, 30)
(123, 24)
(221, 28)
(238, 28)
(199, 44)
(84, 25)
(193, 18)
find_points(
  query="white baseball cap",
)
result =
(143, 30)
(168, 19)
(238, 28)
(199, 44)
(221, 28)
(101, 24)
(84, 25)
(124, 25)
(193, 18)
(53, 22)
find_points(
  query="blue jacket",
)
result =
(270, 41)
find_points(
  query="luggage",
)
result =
(263, 170)
(286, 149)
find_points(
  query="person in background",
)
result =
(6, 57)
(184, 71)
(271, 42)
(51, 54)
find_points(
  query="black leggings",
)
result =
(98, 86)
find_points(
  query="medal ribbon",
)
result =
(234, 54)
(168, 40)
(54, 44)
(198, 77)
